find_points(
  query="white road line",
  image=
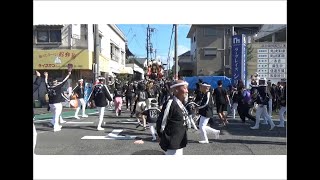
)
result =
(113, 136)
(73, 122)
(67, 117)
(115, 133)
(110, 138)
(128, 122)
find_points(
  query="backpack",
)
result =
(247, 97)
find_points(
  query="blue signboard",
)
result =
(238, 58)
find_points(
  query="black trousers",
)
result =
(129, 101)
(243, 111)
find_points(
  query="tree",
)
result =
(249, 50)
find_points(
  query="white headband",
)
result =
(80, 80)
(179, 84)
(205, 85)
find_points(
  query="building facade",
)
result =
(56, 46)
(210, 47)
(269, 53)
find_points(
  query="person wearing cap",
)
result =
(152, 115)
(206, 112)
(79, 91)
(100, 94)
(172, 121)
(55, 98)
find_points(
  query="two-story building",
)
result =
(55, 46)
(210, 48)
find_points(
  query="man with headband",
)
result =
(173, 119)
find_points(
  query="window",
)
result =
(194, 38)
(100, 45)
(122, 57)
(112, 55)
(48, 36)
(116, 53)
(210, 51)
(210, 31)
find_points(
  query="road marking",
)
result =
(113, 136)
(124, 122)
(73, 122)
(128, 121)
(67, 117)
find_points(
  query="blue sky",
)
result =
(136, 35)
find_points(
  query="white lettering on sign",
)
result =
(274, 65)
(262, 70)
(262, 55)
(277, 55)
(262, 50)
(262, 60)
(236, 40)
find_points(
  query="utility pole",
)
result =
(148, 45)
(70, 36)
(176, 51)
(96, 51)
(224, 51)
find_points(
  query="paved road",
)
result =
(80, 137)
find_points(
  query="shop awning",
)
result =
(126, 70)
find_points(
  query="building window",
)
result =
(48, 36)
(210, 51)
(111, 51)
(100, 43)
(116, 54)
(194, 38)
(210, 31)
(122, 58)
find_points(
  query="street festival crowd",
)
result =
(168, 108)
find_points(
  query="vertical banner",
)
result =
(87, 91)
(238, 58)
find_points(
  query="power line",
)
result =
(168, 59)
(128, 32)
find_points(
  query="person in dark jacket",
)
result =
(100, 94)
(36, 85)
(206, 112)
(283, 102)
(172, 121)
(152, 115)
(243, 106)
(56, 96)
(118, 95)
(79, 91)
(129, 92)
(262, 101)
